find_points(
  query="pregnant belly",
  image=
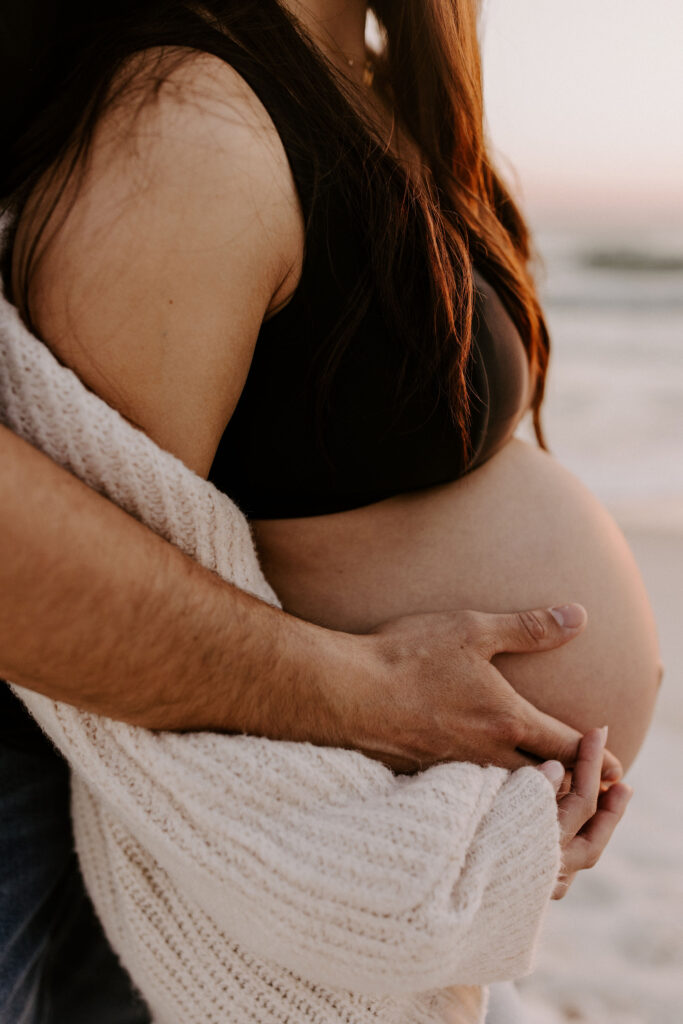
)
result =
(519, 532)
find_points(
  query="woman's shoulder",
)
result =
(189, 121)
(177, 85)
(179, 127)
(165, 250)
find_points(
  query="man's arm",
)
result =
(98, 611)
(153, 292)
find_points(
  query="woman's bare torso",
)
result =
(518, 532)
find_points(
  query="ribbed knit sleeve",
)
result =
(322, 860)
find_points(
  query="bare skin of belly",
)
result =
(518, 532)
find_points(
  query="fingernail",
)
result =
(611, 774)
(553, 770)
(603, 735)
(568, 615)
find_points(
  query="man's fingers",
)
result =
(540, 629)
(548, 739)
(514, 759)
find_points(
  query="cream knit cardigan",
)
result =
(245, 880)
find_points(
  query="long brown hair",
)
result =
(433, 64)
(423, 231)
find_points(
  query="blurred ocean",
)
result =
(612, 951)
(614, 412)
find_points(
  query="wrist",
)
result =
(355, 682)
(335, 674)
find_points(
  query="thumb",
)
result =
(541, 629)
(554, 772)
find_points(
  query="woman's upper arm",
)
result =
(183, 231)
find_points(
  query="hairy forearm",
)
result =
(98, 611)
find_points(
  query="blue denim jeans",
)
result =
(56, 966)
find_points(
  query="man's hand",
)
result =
(439, 698)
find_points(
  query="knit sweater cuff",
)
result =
(522, 831)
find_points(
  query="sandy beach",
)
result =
(612, 950)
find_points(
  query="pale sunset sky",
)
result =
(584, 102)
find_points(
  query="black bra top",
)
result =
(272, 459)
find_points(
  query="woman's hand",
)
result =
(437, 697)
(587, 816)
